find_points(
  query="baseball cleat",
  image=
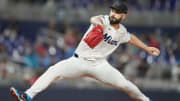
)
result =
(19, 96)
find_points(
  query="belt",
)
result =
(76, 55)
(89, 59)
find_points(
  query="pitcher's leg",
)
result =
(60, 70)
(43, 81)
(110, 76)
(134, 92)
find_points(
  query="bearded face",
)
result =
(115, 16)
(114, 20)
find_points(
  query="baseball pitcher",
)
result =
(104, 35)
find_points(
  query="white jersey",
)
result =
(112, 38)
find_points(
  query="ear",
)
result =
(124, 16)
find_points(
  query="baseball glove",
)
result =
(94, 37)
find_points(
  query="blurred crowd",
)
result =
(170, 5)
(49, 47)
(25, 60)
(28, 49)
(135, 62)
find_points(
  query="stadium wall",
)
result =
(67, 94)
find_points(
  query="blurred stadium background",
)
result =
(35, 34)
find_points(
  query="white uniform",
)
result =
(93, 63)
(112, 39)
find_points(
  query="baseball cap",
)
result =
(120, 6)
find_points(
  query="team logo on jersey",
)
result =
(109, 40)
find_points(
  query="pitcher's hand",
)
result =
(153, 51)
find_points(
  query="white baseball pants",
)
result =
(79, 67)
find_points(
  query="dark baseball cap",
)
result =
(120, 6)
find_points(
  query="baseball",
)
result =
(155, 53)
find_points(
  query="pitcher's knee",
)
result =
(53, 68)
(123, 85)
(53, 71)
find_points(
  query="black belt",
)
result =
(76, 55)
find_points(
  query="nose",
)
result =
(112, 13)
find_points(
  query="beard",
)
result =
(114, 20)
